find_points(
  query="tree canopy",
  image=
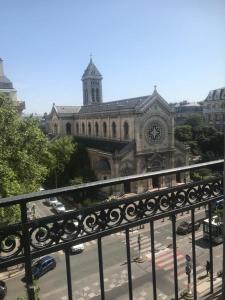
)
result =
(204, 140)
(24, 155)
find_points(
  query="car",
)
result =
(42, 266)
(3, 289)
(52, 201)
(59, 208)
(75, 249)
(186, 227)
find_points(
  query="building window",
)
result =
(113, 129)
(93, 94)
(77, 128)
(55, 129)
(83, 129)
(126, 130)
(96, 129)
(68, 128)
(104, 129)
(89, 128)
(97, 95)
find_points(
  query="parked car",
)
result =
(186, 227)
(42, 266)
(52, 201)
(59, 207)
(75, 249)
(3, 289)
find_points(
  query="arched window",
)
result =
(97, 95)
(83, 129)
(126, 130)
(68, 128)
(104, 129)
(77, 128)
(93, 94)
(96, 129)
(113, 129)
(55, 129)
(89, 128)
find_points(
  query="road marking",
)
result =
(169, 261)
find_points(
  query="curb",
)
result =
(10, 274)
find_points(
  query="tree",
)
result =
(183, 133)
(204, 140)
(23, 156)
(61, 150)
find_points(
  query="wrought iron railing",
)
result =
(30, 239)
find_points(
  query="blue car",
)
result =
(42, 266)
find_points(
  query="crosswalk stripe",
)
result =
(164, 257)
(181, 261)
(134, 241)
(164, 263)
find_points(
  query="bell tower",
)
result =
(92, 85)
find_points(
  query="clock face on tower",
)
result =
(154, 132)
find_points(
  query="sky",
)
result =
(178, 45)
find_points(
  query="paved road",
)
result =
(85, 275)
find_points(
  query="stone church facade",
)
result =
(123, 137)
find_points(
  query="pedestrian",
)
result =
(207, 267)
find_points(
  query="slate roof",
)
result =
(5, 83)
(126, 104)
(91, 71)
(218, 94)
(109, 146)
(67, 109)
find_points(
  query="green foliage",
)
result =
(37, 293)
(69, 165)
(183, 133)
(204, 140)
(61, 150)
(23, 156)
(201, 174)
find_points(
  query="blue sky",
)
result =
(178, 45)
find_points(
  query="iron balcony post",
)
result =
(210, 248)
(26, 247)
(175, 255)
(101, 273)
(153, 260)
(223, 276)
(68, 273)
(129, 265)
(194, 253)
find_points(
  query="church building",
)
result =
(122, 137)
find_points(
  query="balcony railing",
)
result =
(31, 239)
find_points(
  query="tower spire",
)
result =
(92, 84)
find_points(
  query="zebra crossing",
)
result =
(145, 244)
(163, 257)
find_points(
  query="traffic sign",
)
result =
(188, 258)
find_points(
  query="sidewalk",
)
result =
(203, 288)
(12, 272)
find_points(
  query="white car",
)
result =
(75, 249)
(59, 208)
(53, 201)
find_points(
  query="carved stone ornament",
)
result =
(154, 132)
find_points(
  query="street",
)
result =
(85, 272)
